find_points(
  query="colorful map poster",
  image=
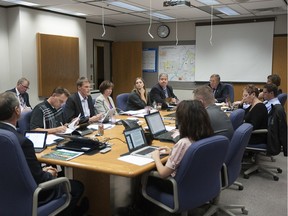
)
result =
(178, 62)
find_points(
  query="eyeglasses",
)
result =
(26, 87)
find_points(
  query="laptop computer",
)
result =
(38, 139)
(137, 143)
(157, 128)
(108, 115)
(79, 143)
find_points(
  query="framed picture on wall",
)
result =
(149, 60)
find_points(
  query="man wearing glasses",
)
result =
(22, 95)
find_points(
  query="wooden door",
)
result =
(126, 66)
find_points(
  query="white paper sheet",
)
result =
(140, 161)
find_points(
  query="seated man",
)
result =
(81, 103)
(9, 114)
(162, 92)
(219, 89)
(220, 122)
(270, 96)
(21, 92)
(48, 115)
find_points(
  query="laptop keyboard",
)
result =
(166, 135)
(146, 151)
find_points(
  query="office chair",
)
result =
(282, 98)
(121, 101)
(197, 180)
(230, 91)
(19, 192)
(276, 142)
(24, 122)
(232, 165)
(237, 117)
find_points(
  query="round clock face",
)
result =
(163, 31)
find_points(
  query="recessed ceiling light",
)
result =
(22, 3)
(162, 16)
(227, 11)
(126, 6)
(209, 2)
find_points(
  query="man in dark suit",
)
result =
(20, 91)
(162, 92)
(81, 103)
(219, 89)
(220, 122)
(9, 114)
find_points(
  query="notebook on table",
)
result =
(137, 143)
(157, 128)
(38, 139)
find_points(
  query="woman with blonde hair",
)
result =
(138, 99)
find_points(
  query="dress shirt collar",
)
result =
(81, 97)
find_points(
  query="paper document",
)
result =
(73, 124)
(140, 161)
(51, 139)
(95, 126)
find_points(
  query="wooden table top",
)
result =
(109, 163)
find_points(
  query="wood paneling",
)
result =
(58, 63)
(126, 65)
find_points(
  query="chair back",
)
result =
(17, 184)
(24, 121)
(198, 176)
(121, 101)
(282, 98)
(237, 118)
(236, 150)
(230, 91)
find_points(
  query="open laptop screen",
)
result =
(38, 138)
(155, 123)
(135, 138)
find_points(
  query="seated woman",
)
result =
(256, 114)
(104, 102)
(194, 124)
(138, 99)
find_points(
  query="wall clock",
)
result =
(163, 31)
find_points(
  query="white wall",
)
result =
(4, 53)
(24, 24)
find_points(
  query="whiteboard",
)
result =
(239, 52)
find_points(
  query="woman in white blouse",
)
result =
(104, 102)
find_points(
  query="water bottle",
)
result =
(154, 105)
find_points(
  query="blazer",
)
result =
(102, 106)
(221, 92)
(73, 107)
(25, 96)
(135, 102)
(28, 150)
(157, 94)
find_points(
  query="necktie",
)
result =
(22, 102)
(166, 93)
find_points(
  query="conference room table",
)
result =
(95, 170)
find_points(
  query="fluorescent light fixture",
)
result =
(65, 11)
(22, 3)
(209, 2)
(162, 16)
(228, 11)
(126, 6)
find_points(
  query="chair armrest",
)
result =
(260, 131)
(51, 184)
(155, 174)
